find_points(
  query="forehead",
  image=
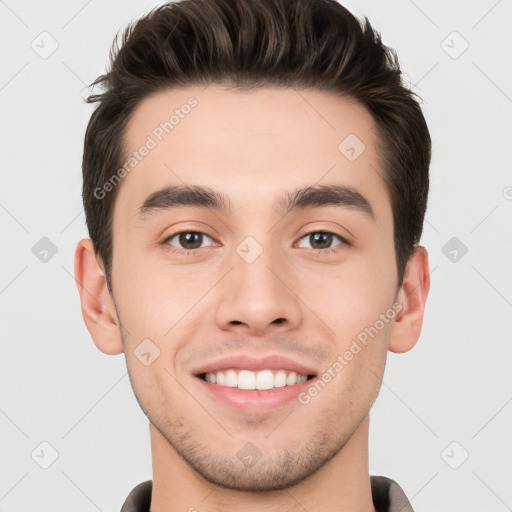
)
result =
(252, 145)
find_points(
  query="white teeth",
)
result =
(280, 379)
(265, 380)
(291, 379)
(231, 379)
(246, 379)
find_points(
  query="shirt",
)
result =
(387, 496)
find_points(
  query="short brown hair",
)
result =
(314, 44)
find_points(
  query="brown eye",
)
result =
(321, 240)
(188, 240)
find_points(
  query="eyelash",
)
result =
(190, 252)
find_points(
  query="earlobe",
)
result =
(412, 296)
(97, 305)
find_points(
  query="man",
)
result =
(255, 183)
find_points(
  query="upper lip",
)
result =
(246, 362)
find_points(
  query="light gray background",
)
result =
(455, 385)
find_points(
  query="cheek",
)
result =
(153, 385)
(349, 384)
(159, 308)
(152, 296)
(351, 296)
(355, 304)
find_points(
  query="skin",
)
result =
(253, 146)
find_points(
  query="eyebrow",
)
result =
(301, 198)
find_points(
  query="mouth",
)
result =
(254, 385)
(252, 380)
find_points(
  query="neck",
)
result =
(342, 483)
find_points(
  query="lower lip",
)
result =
(255, 400)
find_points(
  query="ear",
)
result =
(98, 308)
(412, 296)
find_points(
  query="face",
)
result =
(249, 280)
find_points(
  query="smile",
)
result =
(249, 380)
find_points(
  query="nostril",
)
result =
(279, 321)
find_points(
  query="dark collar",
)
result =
(387, 496)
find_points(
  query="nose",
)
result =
(257, 297)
